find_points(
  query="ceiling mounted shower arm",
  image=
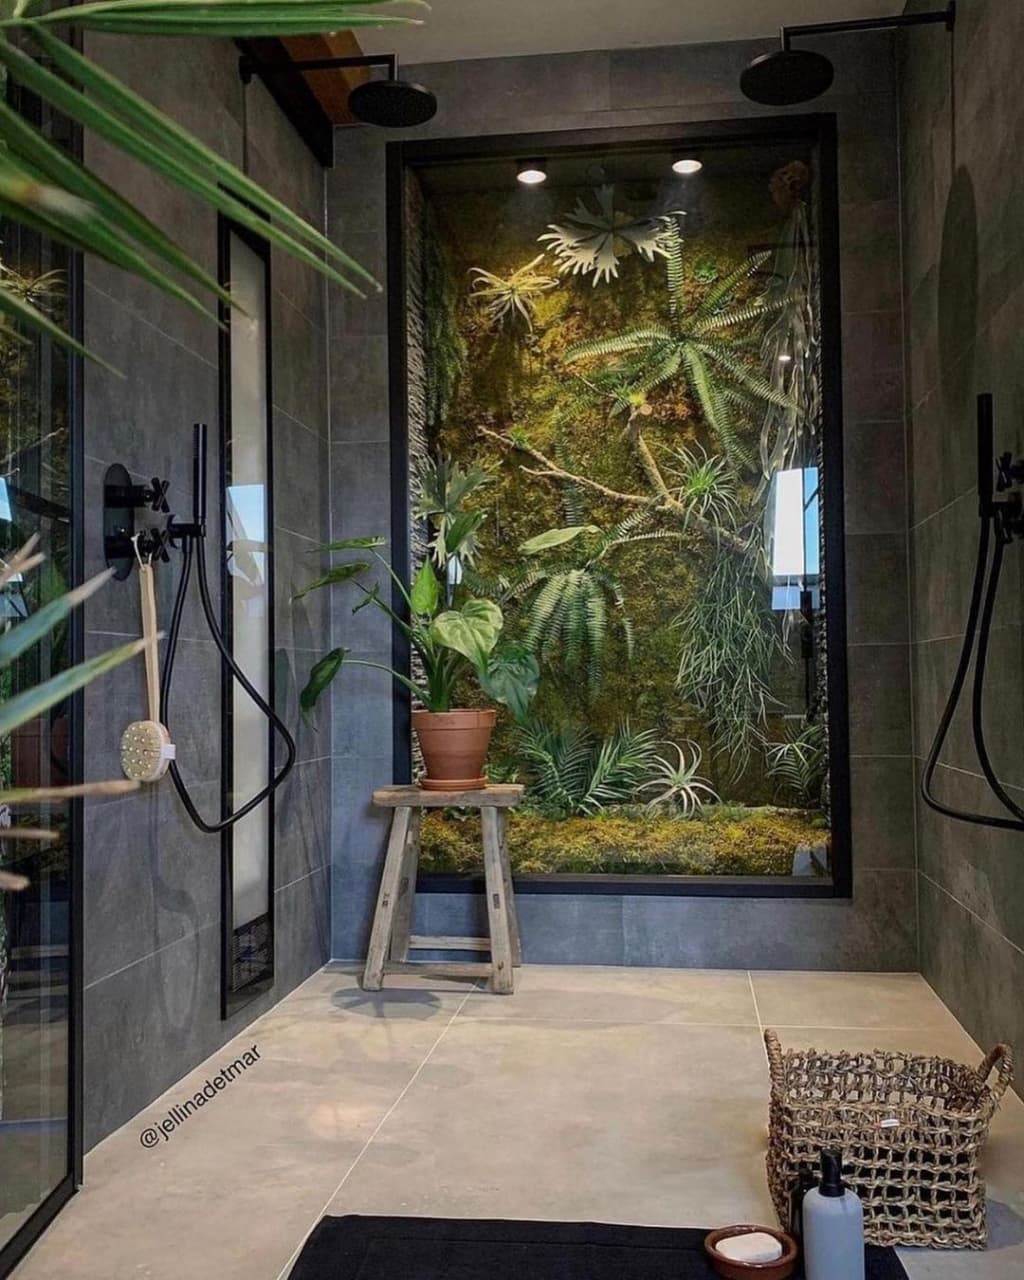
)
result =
(249, 65)
(946, 16)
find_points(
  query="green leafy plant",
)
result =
(511, 298)
(574, 771)
(17, 640)
(798, 765)
(592, 241)
(574, 598)
(730, 641)
(451, 634)
(696, 345)
(45, 188)
(679, 786)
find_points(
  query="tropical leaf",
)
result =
(21, 636)
(426, 591)
(555, 538)
(511, 678)
(337, 573)
(33, 702)
(472, 630)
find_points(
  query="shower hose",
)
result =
(978, 629)
(190, 553)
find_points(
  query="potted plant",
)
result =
(452, 634)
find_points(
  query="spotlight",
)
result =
(531, 172)
(687, 165)
(785, 357)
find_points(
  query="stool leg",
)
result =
(404, 907)
(510, 893)
(497, 912)
(380, 935)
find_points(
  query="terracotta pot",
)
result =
(454, 746)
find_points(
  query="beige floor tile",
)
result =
(561, 994)
(631, 1123)
(848, 1000)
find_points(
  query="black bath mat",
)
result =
(356, 1248)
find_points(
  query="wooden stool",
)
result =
(391, 938)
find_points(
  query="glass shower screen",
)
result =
(248, 610)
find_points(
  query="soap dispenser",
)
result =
(833, 1226)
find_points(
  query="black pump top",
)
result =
(831, 1174)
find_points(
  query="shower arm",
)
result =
(946, 16)
(249, 66)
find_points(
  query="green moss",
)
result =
(729, 840)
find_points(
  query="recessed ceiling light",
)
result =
(785, 357)
(531, 172)
(687, 165)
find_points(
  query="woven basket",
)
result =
(911, 1131)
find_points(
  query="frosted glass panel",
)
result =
(249, 604)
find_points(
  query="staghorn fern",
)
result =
(573, 771)
(696, 346)
(589, 242)
(506, 299)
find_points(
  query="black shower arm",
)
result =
(946, 16)
(249, 66)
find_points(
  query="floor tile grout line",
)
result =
(757, 1015)
(366, 1145)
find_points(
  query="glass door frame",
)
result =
(820, 130)
(234, 997)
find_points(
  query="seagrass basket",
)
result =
(910, 1129)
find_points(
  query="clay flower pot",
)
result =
(454, 746)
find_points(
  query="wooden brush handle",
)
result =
(148, 602)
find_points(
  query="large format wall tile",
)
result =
(964, 290)
(153, 882)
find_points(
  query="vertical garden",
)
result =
(616, 379)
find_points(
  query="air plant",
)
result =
(506, 299)
(589, 242)
(704, 487)
(680, 787)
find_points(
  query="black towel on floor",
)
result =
(356, 1248)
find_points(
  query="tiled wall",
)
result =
(963, 191)
(153, 897)
(877, 930)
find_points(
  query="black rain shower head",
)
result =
(789, 76)
(393, 104)
(786, 77)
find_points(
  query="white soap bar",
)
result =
(754, 1246)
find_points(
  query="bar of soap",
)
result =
(753, 1246)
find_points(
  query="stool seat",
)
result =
(391, 938)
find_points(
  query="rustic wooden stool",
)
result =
(391, 939)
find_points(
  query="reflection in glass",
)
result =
(634, 356)
(34, 923)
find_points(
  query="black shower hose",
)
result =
(979, 626)
(211, 828)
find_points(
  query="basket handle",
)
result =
(773, 1048)
(1000, 1060)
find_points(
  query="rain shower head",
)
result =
(393, 104)
(788, 76)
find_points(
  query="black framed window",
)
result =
(248, 614)
(642, 352)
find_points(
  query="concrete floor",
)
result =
(619, 1095)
